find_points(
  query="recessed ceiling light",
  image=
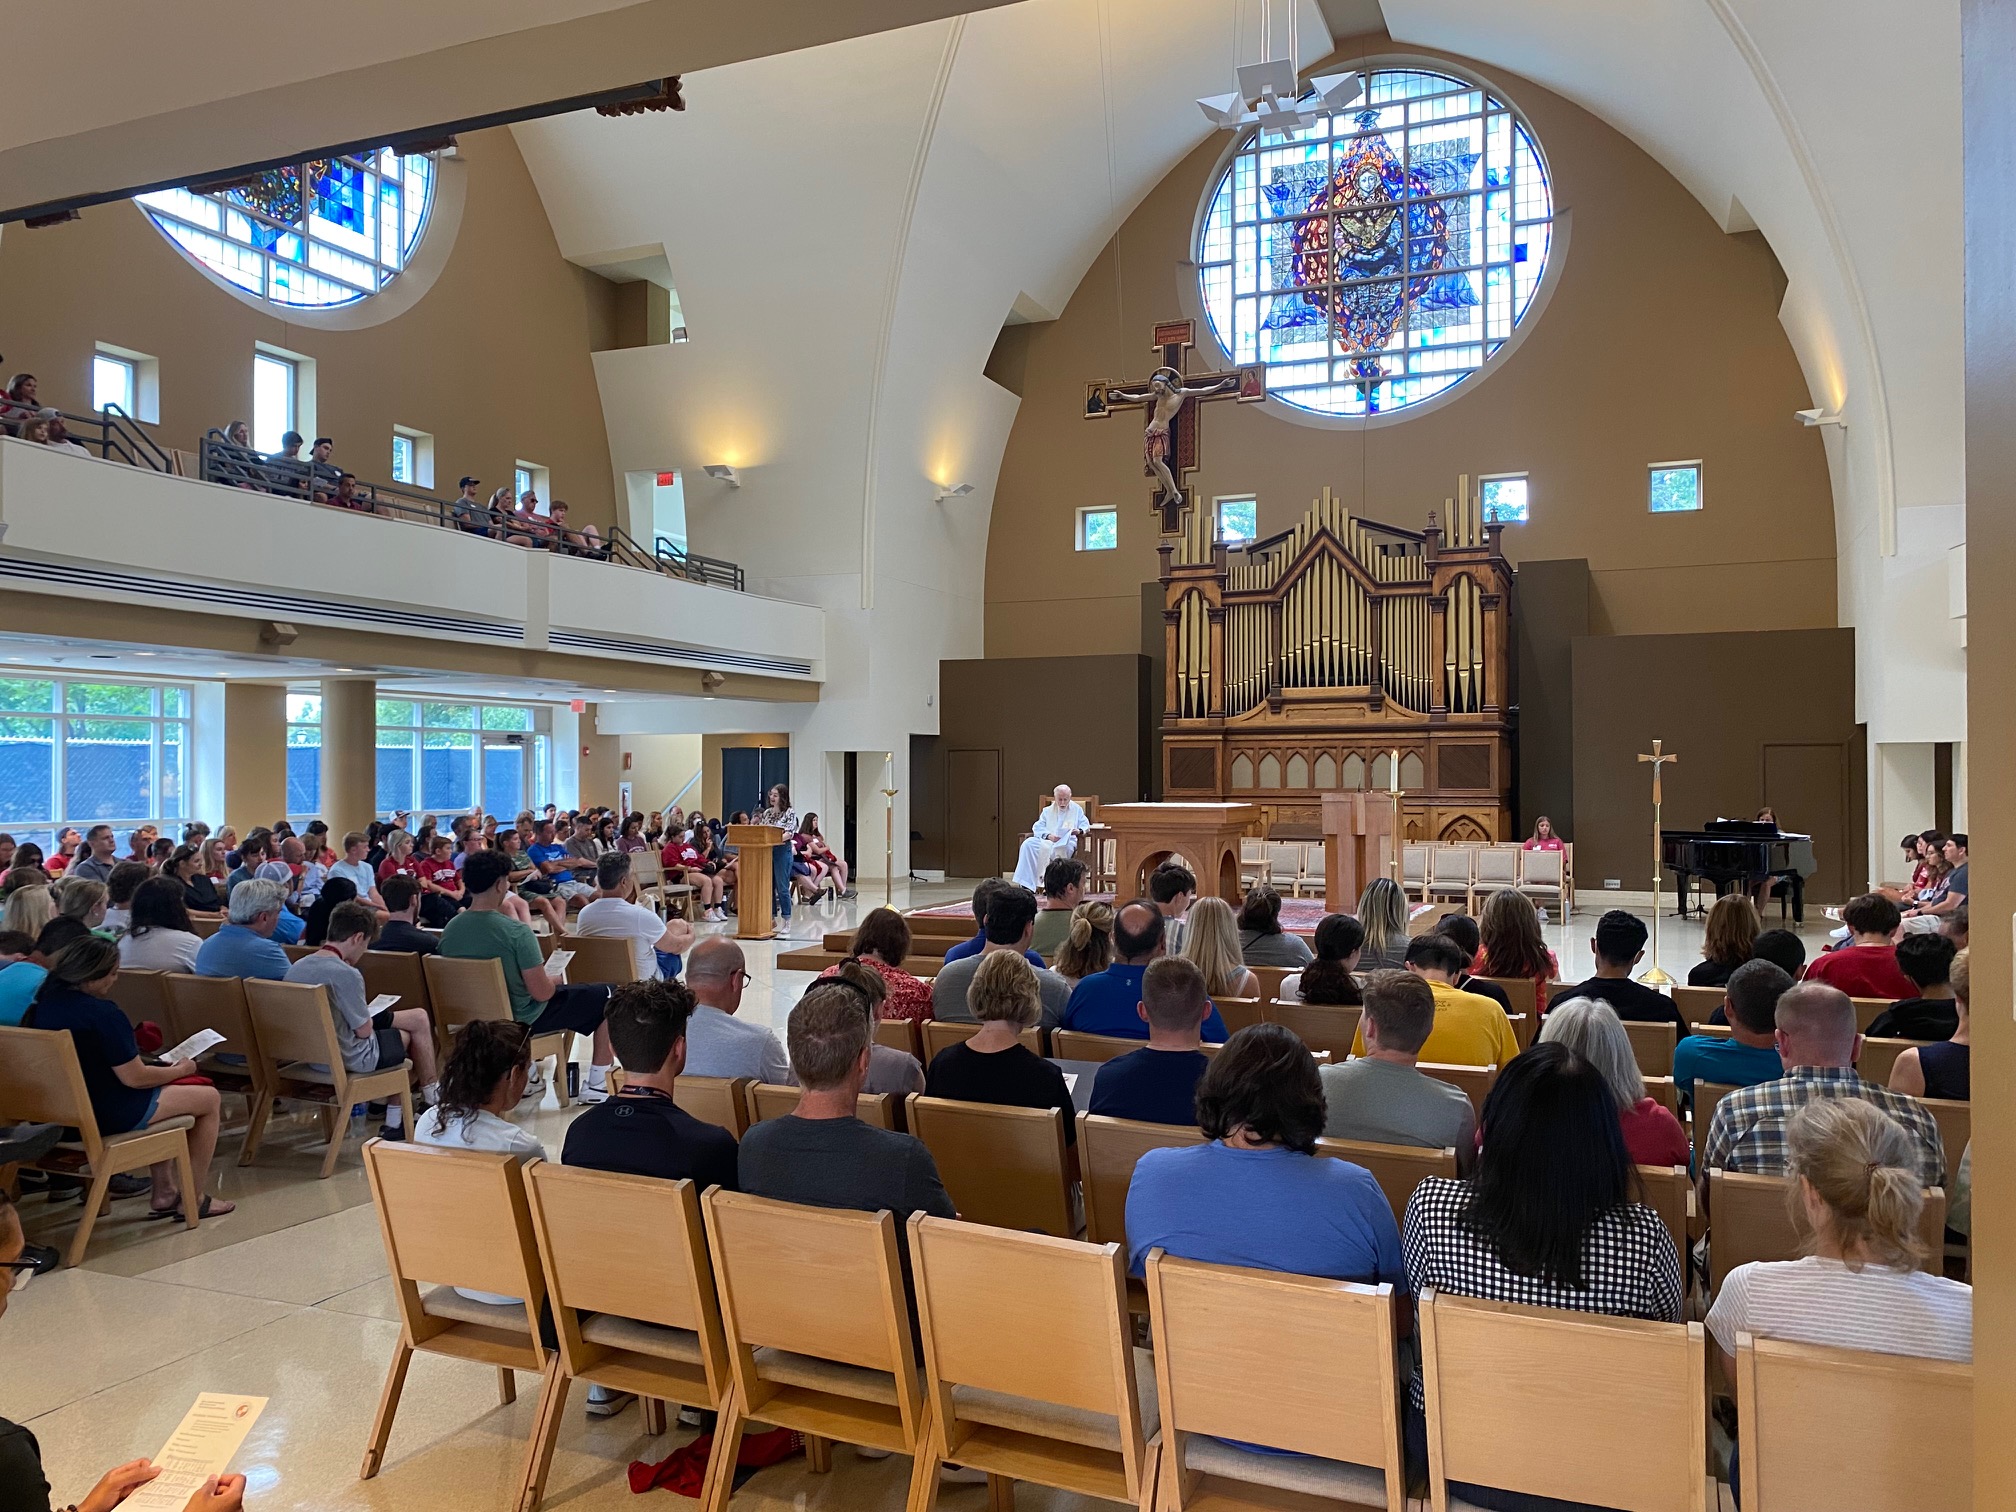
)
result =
(146, 653)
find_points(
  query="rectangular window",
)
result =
(538, 480)
(1238, 520)
(402, 459)
(304, 755)
(114, 383)
(1099, 529)
(412, 457)
(438, 757)
(1504, 498)
(1675, 487)
(78, 754)
(275, 389)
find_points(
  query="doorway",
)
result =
(974, 833)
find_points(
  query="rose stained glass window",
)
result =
(323, 232)
(1382, 254)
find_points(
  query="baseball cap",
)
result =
(469, 483)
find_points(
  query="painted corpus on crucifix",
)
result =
(1164, 397)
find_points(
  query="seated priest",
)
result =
(1058, 830)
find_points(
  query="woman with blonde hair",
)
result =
(994, 1066)
(1855, 1191)
(1652, 1136)
(28, 909)
(1088, 948)
(82, 899)
(1732, 929)
(1211, 944)
(1382, 911)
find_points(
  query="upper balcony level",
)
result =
(85, 528)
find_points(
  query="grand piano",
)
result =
(1738, 853)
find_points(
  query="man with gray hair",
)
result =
(1818, 1043)
(717, 1042)
(243, 946)
(822, 1154)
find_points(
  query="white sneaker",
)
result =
(959, 1475)
(602, 1402)
(867, 1453)
(590, 1095)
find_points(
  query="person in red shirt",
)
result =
(1866, 967)
(440, 882)
(685, 862)
(1652, 1135)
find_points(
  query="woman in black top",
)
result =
(315, 923)
(994, 1066)
(1731, 931)
(199, 892)
(1942, 1069)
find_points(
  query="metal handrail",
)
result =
(699, 569)
(117, 437)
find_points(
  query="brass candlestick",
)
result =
(1656, 975)
(889, 833)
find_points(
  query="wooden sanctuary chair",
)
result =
(632, 1291)
(901, 1034)
(1669, 1192)
(601, 959)
(398, 972)
(42, 1082)
(1033, 1376)
(1226, 1339)
(1696, 1004)
(1661, 1089)
(1524, 996)
(1270, 978)
(1652, 1044)
(1001, 1165)
(299, 952)
(1077, 1045)
(463, 990)
(943, 1034)
(143, 997)
(1397, 1168)
(1320, 1026)
(1239, 1013)
(1956, 1125)
(1707, 1097)
(455, 1218)
(296, 1034)
(1108, 1151)
(818, 1333)
(218, 1003)
(718, 1100)
(1749, 1219)
(1627, 1418)
(1796, 1403)
(1875, 1062)
(1474, 1082)
(765, 1100)
(1413, 872)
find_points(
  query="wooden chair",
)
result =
(218, 1003)
(600, 959)
(1544, 874)
(1239, 1013)
(1452, 873)
(204, 928)
(1314, 862)
(455, 1218)
(463, 990)
(1108, 1151)
(296, 1034)
(1032, 1377)
(1253, 867)
(719, 1100)
(1669, 1192)
(1627, 1418)
(1397, 1168)
(765, 1101)
(1001, 1165)
(1271, 978)
(1320, 1026)
(1696, 1004)
(1662, 1090)
(143, 997)
(1795, 1401)
(941, 1035)
(632, 1291)
(1710, 1031)
(814, 1309)
(1878, 1057)
(1749, 1218)
(1475, 1082)
(1956, 1127)
(1653, 1045)
(1524, 996)
(1413, 872)
(901, 1034)
(1707, 1097)
(1868, 1010)
(400, 973)
(1497, 867)
(1226, 1338)
(299, 952)
(42, 1082)
(1077, 1045)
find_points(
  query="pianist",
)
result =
(1619, 945)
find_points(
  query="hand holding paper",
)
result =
(199, 1043)
(197, 1453)
(556, 963)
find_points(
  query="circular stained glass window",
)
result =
(328, 231)
(1382, 254)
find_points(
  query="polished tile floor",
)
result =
(287, 1298)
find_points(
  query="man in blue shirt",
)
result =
(244, 947)
(982, 896)
(21, 980)
(1109, 1001)
(551, 860)
(1258, 1194)
(1158, 1083)
(1750, 1054)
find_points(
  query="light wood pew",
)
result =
(941, 1034)
(143, 997)
(295, 1033)
(1663, 1091)
(1652, 1044)
(719, 1100)
(1696, 1004)
(1627, 1419)
(1001, 1165)
(1707, 1097)
(1271, 978)
(1397, 1168)
(901, 1034)
(1108, 1151)
(1879, 1056)
(1524, 996)
(455, 1218)
(634, 1306)
(1797, 1405)
(1076, 1044)
(1868, 1010)
(1225, 1340)
(1956, 1127)
(1239, 1013)
(1320, 1026)
(601, 959)
(218, 1003)
(1669, 1192)
(818, 1332)
(765, 1101)
(1749, 1218)
(1474, 1082)
(41, 1081)
(463, 990)
(1032, 1377)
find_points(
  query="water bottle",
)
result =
(357, 1111)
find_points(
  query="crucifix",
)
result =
(1169, 447)
(1656, 976)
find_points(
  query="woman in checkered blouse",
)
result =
(1548, 1219)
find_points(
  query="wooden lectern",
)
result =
(755, 886)
(1206, 835)
(1357, 846)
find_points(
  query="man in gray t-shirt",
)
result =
(1010, 925)
(1381, 1097)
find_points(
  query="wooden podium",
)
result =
(1357, 846)
(755, 886)
(1206, 835)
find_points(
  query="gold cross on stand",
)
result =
(1656, 976)
(1169, 446)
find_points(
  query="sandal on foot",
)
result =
(207, 1208)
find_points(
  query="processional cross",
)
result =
(1656, 976)
(1169, 447)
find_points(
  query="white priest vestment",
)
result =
(1056, 834)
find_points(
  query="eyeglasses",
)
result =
(19, 1273)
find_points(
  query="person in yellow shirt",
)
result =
(1469, 1030)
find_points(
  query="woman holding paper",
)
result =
(126, 1093)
